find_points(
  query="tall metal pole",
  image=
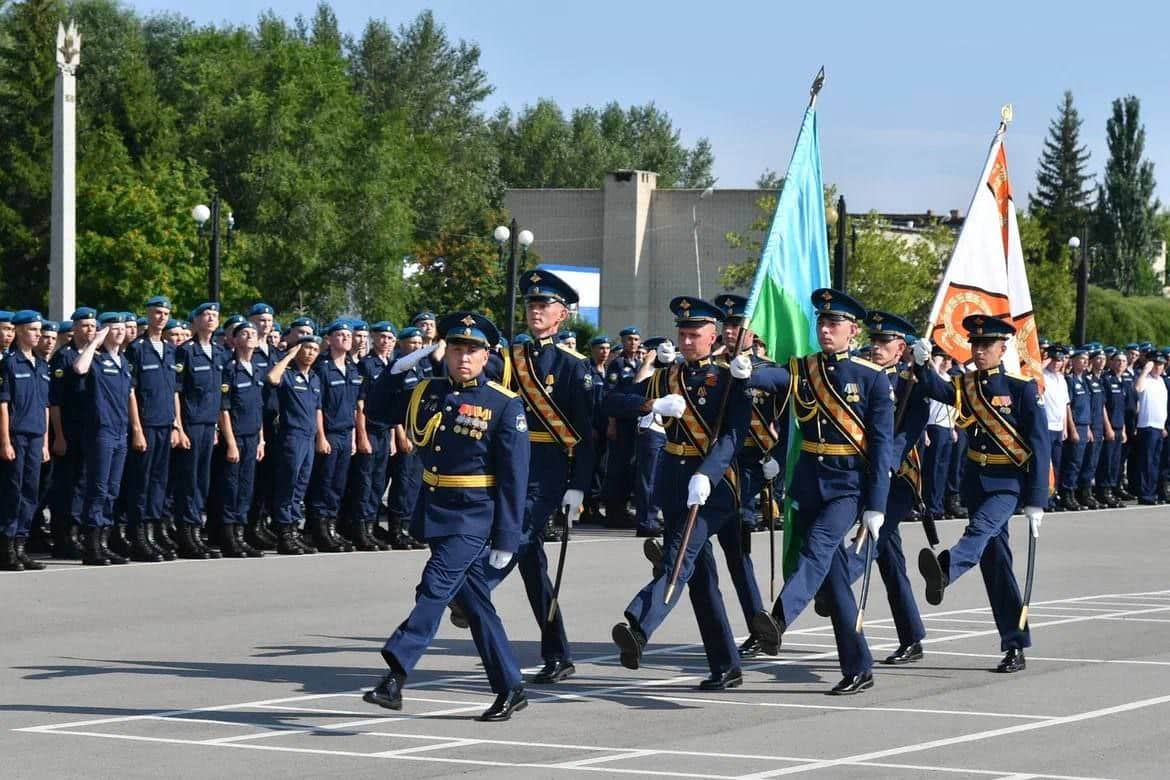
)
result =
(213, 261)
(1082, 292)
(514, 251)
(695, 234)
(63, 231)
(839, 252)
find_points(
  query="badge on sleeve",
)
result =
(59, 373)
(521, 423)
(588, 380)
(224, 388)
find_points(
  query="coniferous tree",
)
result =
(1061, 203)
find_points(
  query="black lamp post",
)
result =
(1079, 324)
(202, 215)
(518, 243)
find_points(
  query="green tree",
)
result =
(895, 272)
(1126, 218)
(1063, 186)
(1053, 296)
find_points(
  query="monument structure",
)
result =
(63, 242)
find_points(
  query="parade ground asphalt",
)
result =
(254, 668)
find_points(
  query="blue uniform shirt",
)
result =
(243, 397)
(620, 370)
(1079, 401)
(109, 386)
(371, 368)
(24, 386)
(264, 358)
(155, 381)
(299, 396)
(200, 383)
(1096, 404)
(68, 390)
(1116, 392)
(339, 394)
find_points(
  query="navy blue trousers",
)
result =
(985, 541)
(456, 572)
(68, 492)
(20, 481)
(370, 474)
(265, 481)
(732, 537)
(193, 474)
(700, 575)
(935, 468)
(330, 472)
(1089, 462)
(146, 476)
(650, 444)
(1074, 456)
(620, 472)
(105, 458)
(823, 567)
(295, 463)
(1149, 452)
(239, 480)
(405, 484)
(958, 464)
(1109, 464)
(1056, 440)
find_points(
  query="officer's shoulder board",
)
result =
(863, 362)
(503, 390)
(571, 351)
(1018, 377)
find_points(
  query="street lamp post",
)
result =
(1079, 324)
(835, 217)
(695, 234)
(202, 215)
(518, 242)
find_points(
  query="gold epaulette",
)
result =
(572, 352)
(1020, 377)
(502, 390)
(862, 361)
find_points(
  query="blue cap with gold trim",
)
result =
(468, 327)
(882, 323)
(734, 307)
(692, 312)
(541, 285)
(984, 326)
(834, 303)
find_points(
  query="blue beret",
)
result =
(26, 317)
(303, 322)
(692, 312)
(5, 315)
(338, 325)
(112, 318)
(242, 325)
(881, 322)
(522, 338)
(408, 333)
(1132, 345)
(421, 316)
(540, 284)
(597, 341)
(1079, 352)
(654, 343)
(503, 343)
(259, 309)
(565, 335)
(160, 301)
(172, 324)
(276, 327)
(382, 326)
(84, 313)
(1044, 343)
(66, 326)
(309, 339)
(140, 322)
(984, 326)
(1110, 351)
(734, 307)
(630, 331)
(50, 326)
(233, 321)
(360, 324)
(468, 327)
(1057, 351)
(834, 303)
(208, 306)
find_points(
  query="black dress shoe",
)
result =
(750, 647)
(1013, 661)
(630, 642)
(388, 693)
(652, 549)
(931, 570)
(905, 654)
(458, 616)
(853, 683)
(821, 605)
(732, 678)
(768, 631)
(504, 705)
(554, 671)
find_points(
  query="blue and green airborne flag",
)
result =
(795, 261)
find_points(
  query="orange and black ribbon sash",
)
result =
(761, 431)
(840, 414)
(540, 401)
(695, 428)
(911, 471)
(991, 420)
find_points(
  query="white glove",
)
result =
(741, 367)
(698, 490)
(1035, 516)
(666, 353)
(413, 359)
(646, 420)
(770, 468)
(873, 522)
(921, 351)
(572, 504)
(498, 559)
(672, 405)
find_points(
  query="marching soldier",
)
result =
(241, 429)
(298, 393)
(24, 439)
(471, 435)
(1008, 465)
(621, 434)
(709, 419)
(845, 409)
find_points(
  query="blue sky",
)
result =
(913, 93)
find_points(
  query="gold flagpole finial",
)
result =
(1006, 113)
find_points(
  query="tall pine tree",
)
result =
(1126, 219)
(1061, 202)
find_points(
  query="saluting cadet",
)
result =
(264, 357)
(599, 348)
(1151, 393)
(241, 429)
(24, 439)
(68, 401)
(199, 363)
(471, 435)
(845, 408)
(620, 468)
(708, 419)
(1008, 460)
(152, 434)
(1080, 435)
(371, 463)
(108, 392)
(298, 393)
(340, 386)
(1115, 391)
(405, 467)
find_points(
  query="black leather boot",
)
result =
(22, 556)
(188, 548)
(954, 508)
(260, 537)
(338, 540)
(117, 540)
(154, 534)
(1068, 501)
(242, 543)
(140, 547)
(69, 545)
(92, 552)
(399, 539)
(287, 543)
(115, 558)
(8, 559)
(317, 529)
(1085, 498)
(229, 547)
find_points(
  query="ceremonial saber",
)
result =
(865, 583)
(1028, 582)
(770, 519)
(555, 604)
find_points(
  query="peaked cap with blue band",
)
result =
(692, 312)
(539, 284)
(882, 323)
(984, 326)
(834, 303)
(734, 307)
(468, 327)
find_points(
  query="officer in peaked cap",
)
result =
(471, 435)
(1008, 463)
(845, 406)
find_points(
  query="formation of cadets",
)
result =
(153, 438)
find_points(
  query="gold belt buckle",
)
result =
(820, 448)
(983, 459)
